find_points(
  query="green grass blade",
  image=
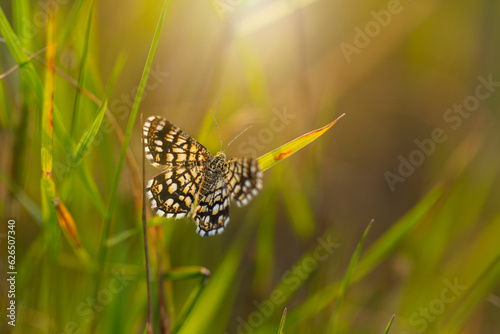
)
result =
(286, 292)
(382, 248)
(23, 198)
(183, 273)
(190, 302)
(281, 329)
(373, 256)
(68, 226)
(270, 159)
(30, 76)
(210, 303)
(87, 140)
(124, 147)
(70, 24)
(476, 294)
(212, 296)
(81, 75)
(130, 128)
(5, 105)
(21, 15)
(124, 235)
(90, 133)
(28, 72)
(484, 275)
(346, 280)
(389, 324)
(21, 143)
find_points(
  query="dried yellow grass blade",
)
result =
(270, 159)
(48, 188)
(67, 223)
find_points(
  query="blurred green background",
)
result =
(417, 151)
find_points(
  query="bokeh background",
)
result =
(399, 70)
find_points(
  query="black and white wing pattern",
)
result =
(244, 179)
(167, 145)
(193, 176)
(173, 192)
(212, 213)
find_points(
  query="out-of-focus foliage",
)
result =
(417, 152)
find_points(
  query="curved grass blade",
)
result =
(188, 272)
(374, 256)
(90, 133)
(270, 159)
(131, 122)
(121, 159)
(130, 128)
(193, 297)
(384, 245)
(68, 143)
(474, 295)
(389, 324)
(32, 79)
(282, 322)
(347, 279)
(200, 318)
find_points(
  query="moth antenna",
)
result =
(239, 134)
(218, 131)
